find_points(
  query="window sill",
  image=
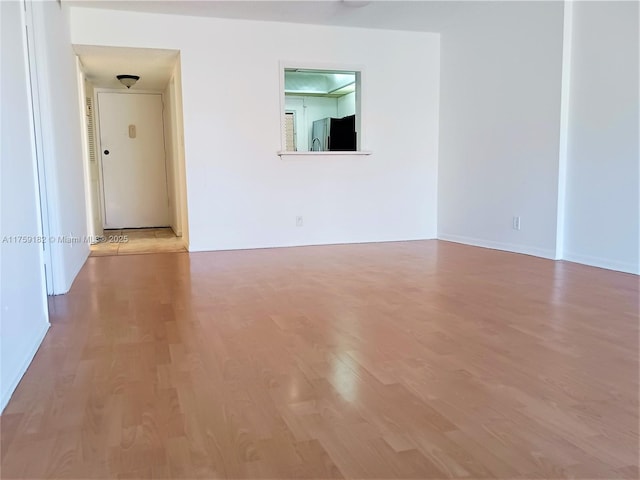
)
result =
(316, 154)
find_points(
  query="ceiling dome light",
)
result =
(128, 80)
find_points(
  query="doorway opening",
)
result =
(135, 181)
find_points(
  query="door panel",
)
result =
(96, 222)
(133, 170)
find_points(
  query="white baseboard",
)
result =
(599, 262)
(508, 247)
(618, 266)
(223, 248)
(7, 390)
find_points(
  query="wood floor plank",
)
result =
(421, 359)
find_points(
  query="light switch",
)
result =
(132, 131)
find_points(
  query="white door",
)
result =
(133, 161)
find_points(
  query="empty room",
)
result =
(319, 239)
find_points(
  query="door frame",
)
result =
(98, 140)
(41, 137)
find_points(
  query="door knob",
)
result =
(106, 152)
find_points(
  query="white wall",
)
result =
(171, 153)
(347, 105)
(319, 108)
(170, 157)
(240, 193)
(181, 174)
(23, 311)
(602, 170)
(501, 65)
(56, 72)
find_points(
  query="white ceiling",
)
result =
(318, 82)
(154, 67)
(427, 16)
(102, 64)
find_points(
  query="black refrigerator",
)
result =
(334, 134)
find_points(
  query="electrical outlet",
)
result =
(516, 223)
(299, 222)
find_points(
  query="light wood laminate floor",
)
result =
(418, 359)
(136, 241)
